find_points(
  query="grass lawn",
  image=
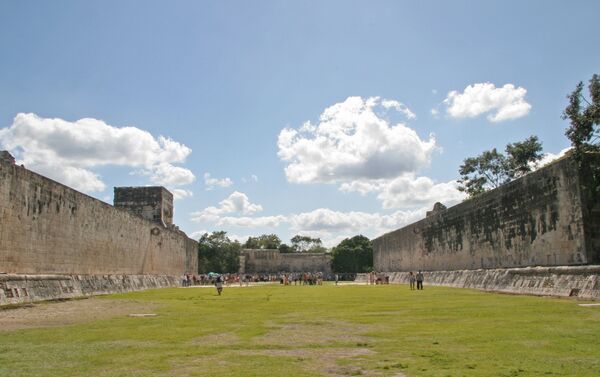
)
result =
(315, 331)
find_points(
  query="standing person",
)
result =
(420, 280)
(411, 280)
(219, 284)
(337, 278)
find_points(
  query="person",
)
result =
(411, 280)
(219, 284)
(337, 278)
(420, 280)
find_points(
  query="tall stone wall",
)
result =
(272, 261)
(49, 228)
(548, 218)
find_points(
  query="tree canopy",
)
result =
(492, 169)
(353, 255)
(584, 131)
(217, 253)
(306, 244)
(265, 241)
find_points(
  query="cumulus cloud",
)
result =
(252, 222)
(407, 191)
(67, 151)
(352, 142)
(549, 157)
(507, 102)
(181, 193)
(237, 202)
(398, 106)
(211, 182)
(331, 226)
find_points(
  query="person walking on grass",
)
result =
(420, 280)
(411, 280)
(219, 284)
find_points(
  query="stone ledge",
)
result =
(17, 289)
(562, 281)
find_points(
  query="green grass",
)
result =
(319, 331)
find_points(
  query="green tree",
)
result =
(491, 169)
(353, 255)
(217, 253)
(584, 131)
(265, 241)
(522, 156)
(284, 248)
(306, 244)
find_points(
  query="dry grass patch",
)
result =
(70, 312)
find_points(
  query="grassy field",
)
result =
(315, 331)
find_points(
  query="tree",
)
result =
(522, 156)
(584, 131)
(353, 255)
(265, 241)
(217, 253)
(491, 169)
(284, 248)
(306, 244)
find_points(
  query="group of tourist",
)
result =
(374, 278)
(418, 278)
(289, 278)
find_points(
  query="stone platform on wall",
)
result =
(562, 281)
(18, 288)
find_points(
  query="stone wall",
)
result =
(548, 218)
(272, 261)
(49, 228)
(154, 203)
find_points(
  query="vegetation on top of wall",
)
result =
(265, 241)
(491, 168)
(584, 131)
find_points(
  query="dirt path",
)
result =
(47, 314)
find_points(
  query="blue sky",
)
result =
(87, 90)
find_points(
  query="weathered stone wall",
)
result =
(49, 228)
(550, 218)
(272, 261)
(17, 289)
(567, 281)
(154, 203)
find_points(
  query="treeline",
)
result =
(218, 253)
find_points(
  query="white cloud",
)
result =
(252, 222)
(67, 151)
(181, 193)
(351, 142)
(254, 177)
(398, 106)
(407, 191)
(549, 157)
(507, 102)
(333, 226)
(211, 183)
(328, 224)
(435, 113)
(237, 202)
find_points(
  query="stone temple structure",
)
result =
(539, 234)
(56, 242)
